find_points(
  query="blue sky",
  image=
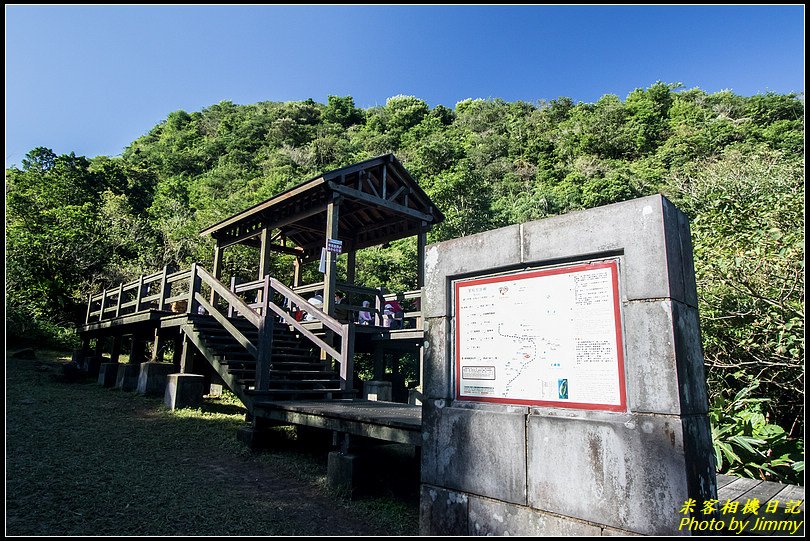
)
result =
(92, 79)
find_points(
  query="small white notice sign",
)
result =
(547, 337)
(334, 245)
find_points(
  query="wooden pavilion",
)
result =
(251, 334)
(370, 203)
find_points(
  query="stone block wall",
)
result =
(499, 468)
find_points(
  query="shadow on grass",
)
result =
(87, 460)
(213, 406)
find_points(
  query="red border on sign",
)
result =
(622, 406)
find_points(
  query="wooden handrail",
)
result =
(249, 286)
(259, 314)
(178, 276)
(241, 306)
(236, 333)
(306, 332)
(309, 288)
(317, 313)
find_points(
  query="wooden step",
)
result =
(311, 377)
(299, 365)
(309, 393)
(293, 385)
(294, 356)
(243, 326)
(294, 349)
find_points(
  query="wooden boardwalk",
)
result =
(742, 491)
(389, 421)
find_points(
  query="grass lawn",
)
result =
(85, 460)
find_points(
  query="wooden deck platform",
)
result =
(388, 421)
(742, 490)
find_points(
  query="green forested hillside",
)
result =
(734, 164)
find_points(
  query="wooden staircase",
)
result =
(296, 370)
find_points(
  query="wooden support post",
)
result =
(217, 270)
(84, 351)
(264, 256)
(347, 352)
(332, 217)
(385, 182)
(421, 241)
(297, 272)
(137, 353)
(265, 348)
(177, 354)
(157, 346)
(351, 266)
(379, 363)
(378, 306)
(187, 356)
(193, 287)
(89, 304)
(115, 354)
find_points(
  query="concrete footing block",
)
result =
(92, 364)
(107, 374)
(127, 377)
(377, 390)
(152, 378)
(342, 472)
(254, 438)
(183, 391)
(215, 390)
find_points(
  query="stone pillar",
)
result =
(493, 468)
(152, 378)
(183, 391)
(127, 377)
(342, 466)
(342, 472)
(107, 374)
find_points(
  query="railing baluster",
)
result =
(118, 304)
(103, 302)
(233, 290)
(266, 295)
(164, 288)
(139, 294)
(89, 304)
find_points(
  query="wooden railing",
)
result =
(148, 292)
(272, 299)
(411, 302)
(275, 298)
